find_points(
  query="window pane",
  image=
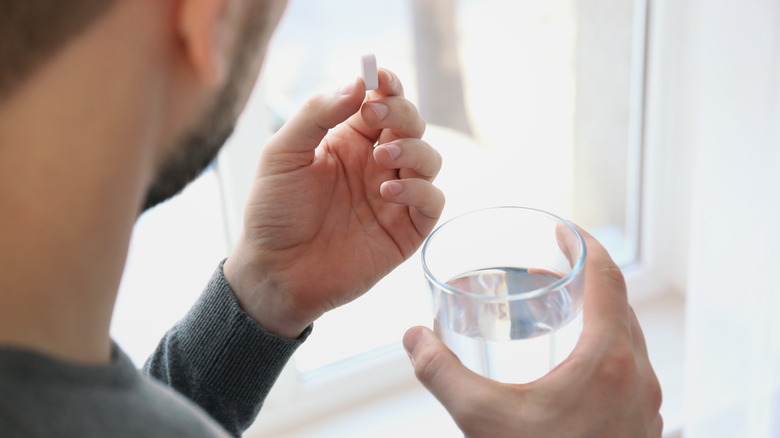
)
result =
(175, 249)
(533, 103)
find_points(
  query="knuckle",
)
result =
(659, 428)
(618, 371)
(436, 160)
(611, 273)
(316, 123)
(428, 363)
(422, 125)
(314, 103)
(655, 394)
(414, 122)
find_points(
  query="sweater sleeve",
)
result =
(220, 358)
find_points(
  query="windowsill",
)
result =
(409, 410)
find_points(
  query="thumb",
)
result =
(439, 370)
(301, 135)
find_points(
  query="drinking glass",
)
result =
(506, 285)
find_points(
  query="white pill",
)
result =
(368, 72)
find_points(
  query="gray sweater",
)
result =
(207, 378)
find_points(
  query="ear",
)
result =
(202, 26)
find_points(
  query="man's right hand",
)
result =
(605, 388)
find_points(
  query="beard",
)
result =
(195, 152)
(199, 146)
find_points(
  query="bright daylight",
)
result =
(544, 218)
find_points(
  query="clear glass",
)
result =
(506, 285)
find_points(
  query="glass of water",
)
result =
(506, 285)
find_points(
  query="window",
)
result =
(520, 105)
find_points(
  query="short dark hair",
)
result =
(31, 31)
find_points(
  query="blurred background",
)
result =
(652, 123)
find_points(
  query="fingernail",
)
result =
(395, 187)
(380, 110)
(393, 150)
(348, 89)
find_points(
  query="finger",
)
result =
(638, 337)
(440, 371)
(389, 85)
(414, 158)
(605, 305)
(568, 241)
(301, 135)
(656, 427)
(393, 113)
(376, 108)
(425, 201)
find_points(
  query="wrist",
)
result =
(260, 296)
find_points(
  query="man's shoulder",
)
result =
(40, 397)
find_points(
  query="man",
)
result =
(108, 107)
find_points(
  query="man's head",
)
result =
(105, 105)
(223, 41)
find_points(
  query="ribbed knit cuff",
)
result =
(221, 358)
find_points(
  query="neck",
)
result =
(75, 162)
